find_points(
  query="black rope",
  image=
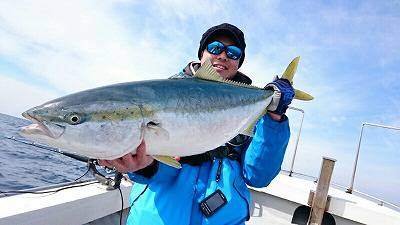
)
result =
(47, 192)
(87, 171)
(133, 202)
(91, 166)
(122, 206)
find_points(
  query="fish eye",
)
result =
(74, 119)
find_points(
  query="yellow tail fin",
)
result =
(300, 95)
(291, 70)
(289, 74)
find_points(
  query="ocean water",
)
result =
(25, 166)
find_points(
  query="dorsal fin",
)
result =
(207, 72)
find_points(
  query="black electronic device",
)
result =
(213, 203)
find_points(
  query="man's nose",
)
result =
(223, 56)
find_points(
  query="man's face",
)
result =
(225, 66)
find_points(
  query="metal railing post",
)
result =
(297, 140)
(350, 189)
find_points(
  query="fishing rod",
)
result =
(91, 163)
(56, 150)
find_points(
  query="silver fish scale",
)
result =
(186, 116)
(194, 96)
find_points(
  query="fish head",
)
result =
(94, 129)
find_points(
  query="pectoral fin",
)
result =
(169, 160)
(155, 129)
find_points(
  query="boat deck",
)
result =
(274, 204)
(277, 202)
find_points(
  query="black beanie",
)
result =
(228, 30)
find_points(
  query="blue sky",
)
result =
(349, 61)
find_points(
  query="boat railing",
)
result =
(349, 189)
(297, 139)
(379, 201)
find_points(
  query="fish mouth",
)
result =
(41, 127)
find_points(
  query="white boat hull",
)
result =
(274, 204)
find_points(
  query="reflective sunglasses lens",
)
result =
(215, 48)
(233, 52)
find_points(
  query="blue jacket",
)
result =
(172, 196)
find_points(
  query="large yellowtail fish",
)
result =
(174, 117)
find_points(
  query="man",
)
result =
(211, 188)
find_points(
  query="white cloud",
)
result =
(77, 45)
(17, 96)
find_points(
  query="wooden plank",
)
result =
(321, 194)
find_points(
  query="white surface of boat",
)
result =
(77, 205)
(275, 204)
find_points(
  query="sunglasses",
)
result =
(217, 48)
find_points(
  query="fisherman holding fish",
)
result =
(210, 188)
(190, 143)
